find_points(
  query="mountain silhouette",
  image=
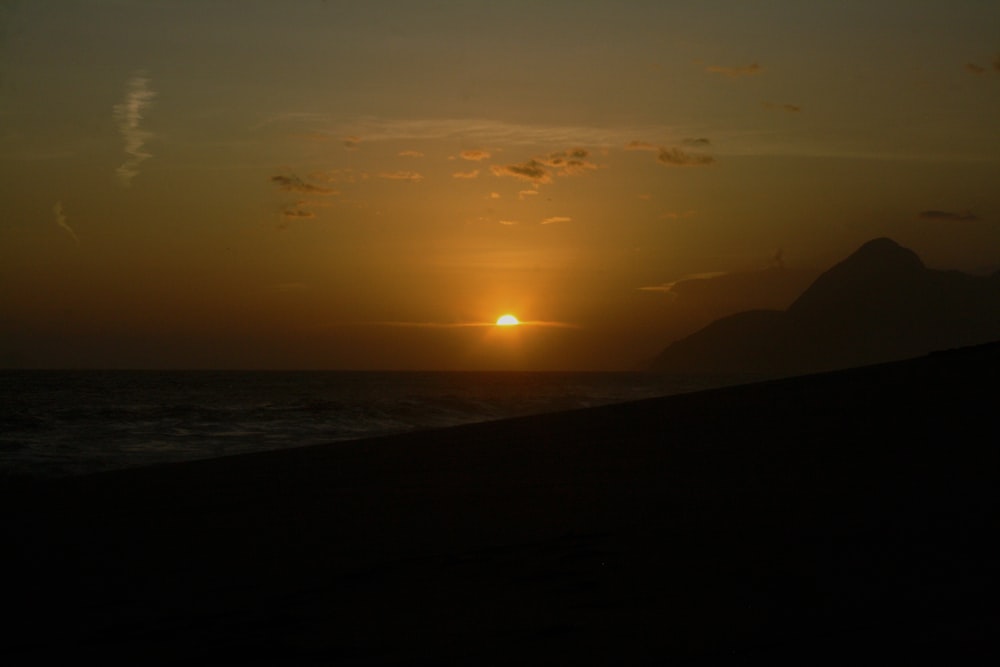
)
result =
(879, 304)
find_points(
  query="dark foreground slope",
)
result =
(879, 304)
(847, 514)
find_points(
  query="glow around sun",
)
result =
(507, 321)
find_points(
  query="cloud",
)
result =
(961, 216)
(509, 222)
(475, 155)
(128, 116)
(410, 154)
(301, 210)
(973, 68)
(297, 211)
(790, 108)
(677, 215)
(532, 171)
(555, 219)
(293, 183)
(460, 325)
(338, 176)
(464, 131)
(636, 145)
(569, 162)
(675, 157)
(402, 175)
(466, 174)
(57, 210)
(667, 287)
(351, 143)
(494, 195)
(527, 193)
(735, 72)
(539, 170)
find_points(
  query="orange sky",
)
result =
(369, 185)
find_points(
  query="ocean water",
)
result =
(60, 423)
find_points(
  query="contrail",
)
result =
(128, 114)
(61, 220)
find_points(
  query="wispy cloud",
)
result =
(411, 176)
(509, 222)
(478, 131)
(667, 287)
(675, 157)
(60, 215)
(475, 155)
(790, 108)
(524, 194)
(959, 216)
(976, 68)
(458, 325)
(677, 215)
(532, 171)
(735, 72)
(351, 143)
(636, 145)
(569, 162)
(539, 170)
(297, 211)
(339, 176)
(410, 154)
(556, 219)
(128, 116)
(466, 174)
(293, 183)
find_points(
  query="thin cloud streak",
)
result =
(475, 155)
(460, 325)
(129, 115)
(60, 215)
(411, 176)
(790, 108)
(675, 157)
(293, 183)
(952, 216)
(668, 287)
(481, 131)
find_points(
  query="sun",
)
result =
(507, 321)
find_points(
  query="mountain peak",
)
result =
(884, 254)
(872, 275)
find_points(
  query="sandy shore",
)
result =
(831, 515)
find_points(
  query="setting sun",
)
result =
(507, 321)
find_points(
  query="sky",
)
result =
(316, 184)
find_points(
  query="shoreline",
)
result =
(816, 514)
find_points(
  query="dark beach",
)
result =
(849, 514)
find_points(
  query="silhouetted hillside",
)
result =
(879, 304)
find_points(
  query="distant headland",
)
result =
(880, 304)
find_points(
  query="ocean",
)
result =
(63, 423)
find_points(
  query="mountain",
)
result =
(879, 304)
